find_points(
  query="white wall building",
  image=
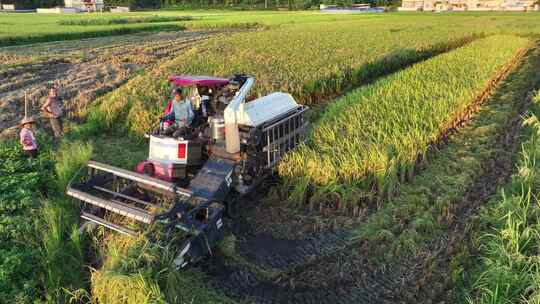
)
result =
(468, 5)
(84, 5)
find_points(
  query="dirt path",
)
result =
(348, 273)
(82, 69)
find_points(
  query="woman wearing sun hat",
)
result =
(27, 138)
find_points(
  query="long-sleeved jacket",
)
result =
(179, 112)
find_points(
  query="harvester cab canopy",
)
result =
(214, 93)
(204, 81)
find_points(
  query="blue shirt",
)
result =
(183, 112)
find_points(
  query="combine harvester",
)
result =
(188, 183)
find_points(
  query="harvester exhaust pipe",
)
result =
(232, 134)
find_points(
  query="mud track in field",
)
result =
(342, 272)
(440, 253)
(82, 69)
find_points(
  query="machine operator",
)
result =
(178, 115)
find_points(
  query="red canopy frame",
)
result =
(205, 81)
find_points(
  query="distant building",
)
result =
(468, 5)
(74, 6)
(85, 5)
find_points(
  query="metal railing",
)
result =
(284, 135)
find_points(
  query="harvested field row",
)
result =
(368, 142)
(88, 33)
(82, 78)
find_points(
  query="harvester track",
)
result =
(270, 253)
(353, 284)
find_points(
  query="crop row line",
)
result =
(373, 139)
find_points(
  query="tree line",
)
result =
(209, 4)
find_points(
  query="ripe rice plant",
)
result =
(312, 61)
(138, 271)
(314, 69)
(370, 140)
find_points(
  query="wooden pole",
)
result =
(25, 105)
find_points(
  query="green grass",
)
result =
(125, 20)
(119, 150)
(23, 181)
(369, 141)
(508, 264)
(33, 28)
(63, 245)
(88, 32)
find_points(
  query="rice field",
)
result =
(370, 140)
(387, 90)
(326, 73)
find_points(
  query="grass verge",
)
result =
(507, 264)
(22, 182)
(62, 242)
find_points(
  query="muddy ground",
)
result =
(82, 69)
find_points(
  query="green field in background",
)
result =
(21, 28)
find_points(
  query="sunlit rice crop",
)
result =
(309, 61)
(369, 140)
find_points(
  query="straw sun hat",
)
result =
(27, 120)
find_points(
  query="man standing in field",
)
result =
(52, 109)
(27, 138)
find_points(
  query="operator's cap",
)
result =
(27, 120)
